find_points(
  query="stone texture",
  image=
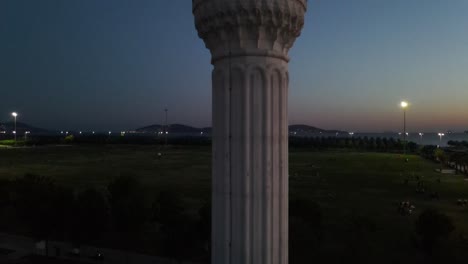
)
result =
(249, 41)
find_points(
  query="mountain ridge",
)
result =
(180, 128)
(21, 127)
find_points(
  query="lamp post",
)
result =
(441, 135)
(14, 114)
(420, 136)
(404, 105)
(166, 128)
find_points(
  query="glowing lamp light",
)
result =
(14, 114)
(404, 104)
(441, 135)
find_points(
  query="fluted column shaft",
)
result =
(250, 161)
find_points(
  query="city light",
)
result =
(441, 135)
(14, 114)
(404, 105)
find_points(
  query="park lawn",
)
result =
(367, 188)
(358, 192)
(95, 166)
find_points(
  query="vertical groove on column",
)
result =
(252, 169)
(281, 176)
(227, 164)
(246, 169)
(236, 170)
(275, 88)
(257, 163)
(284, 182)
(266, 88)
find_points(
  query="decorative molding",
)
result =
(249, 27)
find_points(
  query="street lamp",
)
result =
(441, 135)
(404, 105)
(14, 114)
(420, 136)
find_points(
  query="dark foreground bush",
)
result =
(433, 228)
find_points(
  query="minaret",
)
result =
(249, 42)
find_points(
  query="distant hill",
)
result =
(174, 128)
(179, 128)
(21, 128)
(311, 129)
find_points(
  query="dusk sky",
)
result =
(116, 64)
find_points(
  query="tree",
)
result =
(358, 235)
(433, 228)
(428, 151)
(204, 227)
(69, 139)
(5, 193)
(412, 147)
(128, 207)
(91, 216)
(440, 156)
(179, 230)
(43, 206)
(305, 228)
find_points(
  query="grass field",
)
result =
(358, 192)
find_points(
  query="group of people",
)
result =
(462, 202)
(421, 186)
(406, 208)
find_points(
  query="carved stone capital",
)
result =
(249, 27)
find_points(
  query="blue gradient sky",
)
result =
(116, 64)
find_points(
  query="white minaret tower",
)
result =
(249, 42)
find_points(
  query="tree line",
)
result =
(375, 144)
(454, 156)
